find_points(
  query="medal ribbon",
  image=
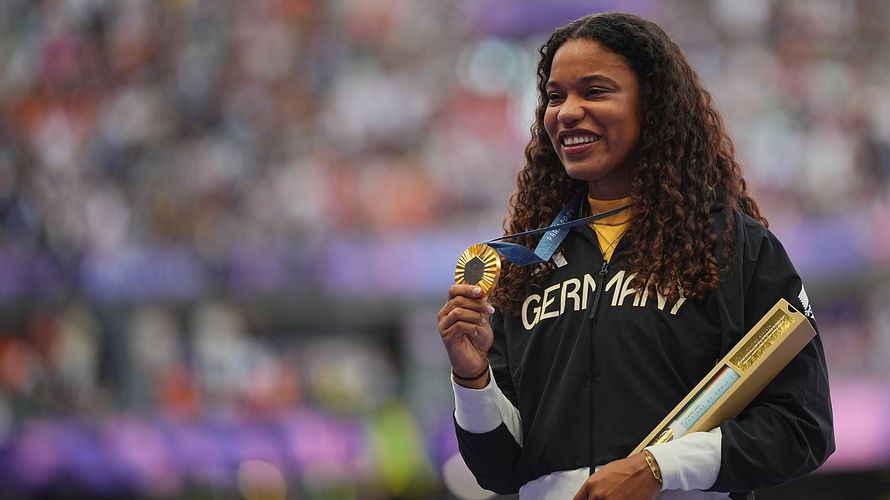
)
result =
(556, 232)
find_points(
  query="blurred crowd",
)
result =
(156, 399)
(213, 126)
(154, 154)
(209, 123)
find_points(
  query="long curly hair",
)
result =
(686, 160)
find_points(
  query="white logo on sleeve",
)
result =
(805, 303)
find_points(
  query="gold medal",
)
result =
(479, 265)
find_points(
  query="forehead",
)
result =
(581, 57)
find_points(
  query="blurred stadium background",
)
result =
(226, 227)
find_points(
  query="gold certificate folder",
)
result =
(756, 359)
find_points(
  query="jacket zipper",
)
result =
(599, 289)
(600, 283)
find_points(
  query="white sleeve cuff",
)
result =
(475, 409)
(691, 462)
(482, 410)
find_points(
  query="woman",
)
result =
(585, 354)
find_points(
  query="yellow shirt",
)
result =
(609, 230)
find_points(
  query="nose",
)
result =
(570, 112)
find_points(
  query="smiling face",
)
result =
(593, 116)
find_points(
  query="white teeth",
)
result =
(578, 139)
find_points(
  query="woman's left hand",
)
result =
(628, 478)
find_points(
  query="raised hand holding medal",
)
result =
(463, 321)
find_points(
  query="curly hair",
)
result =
(685, 161)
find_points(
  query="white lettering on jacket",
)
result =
(537, 308)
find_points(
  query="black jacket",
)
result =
(593, 366)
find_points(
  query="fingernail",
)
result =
(490, 309)
(477, 291)
(483, 321)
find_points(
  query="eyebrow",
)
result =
(596, 77)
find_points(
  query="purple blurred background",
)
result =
(226, 227)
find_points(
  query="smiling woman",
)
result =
(584, 354)
(593, 116)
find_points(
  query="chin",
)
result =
(580, 173)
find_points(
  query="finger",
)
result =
(457, 330)
(480, 305)
(470, 313)
(471, 291)
(481, 338)
(582, 493)
(461, 314)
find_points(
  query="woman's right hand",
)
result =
(466, 333)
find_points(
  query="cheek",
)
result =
(628, 131)
(633, 134)
(550, 124)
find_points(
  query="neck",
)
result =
(596, 201)
(606, 193)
